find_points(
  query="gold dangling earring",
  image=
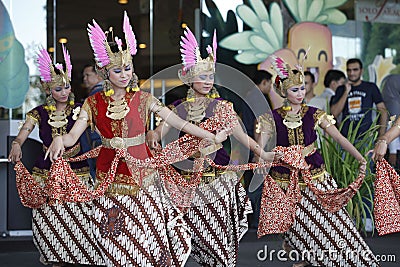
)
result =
(190, 96)
(304, 103)
(108, 91)
(71, 99)
(286, 105)
(133, 84)
(213, 93)
(50, 103)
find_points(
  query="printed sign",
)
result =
(378, 11)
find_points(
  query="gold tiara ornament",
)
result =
(193, 63)
(286, 76)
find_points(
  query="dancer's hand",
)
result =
(15, 153)
(263, 170)
(380, 150)
(222, 135)
(268, 156)
(363, 166)
(152, 140)
(56, 149)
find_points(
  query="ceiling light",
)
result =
(142, 46)
(51, 49)
(183, 25)
(63, 40)
(123, 2)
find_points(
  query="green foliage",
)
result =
(377, 37)
(344, 169)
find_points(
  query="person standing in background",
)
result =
(92, 81)
(356, 101)
(333, 79)
(91, 139)
(391, 97)
(309, 83)
(263, 81)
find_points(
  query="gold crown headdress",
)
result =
(103, 55)
(54, 75)
(193, 63)
(286, 76)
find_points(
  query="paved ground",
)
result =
(20, 252)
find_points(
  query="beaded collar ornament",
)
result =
(193, 63)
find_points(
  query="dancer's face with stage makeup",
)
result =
(60, 93)
(296, 94)
(203, 83)
(120, 76)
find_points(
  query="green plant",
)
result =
(344, 169)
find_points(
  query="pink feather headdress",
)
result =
(102, 52)
(47, 70)
(193, 63)
(286, 77)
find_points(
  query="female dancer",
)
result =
(61, 232)
(327, 239)
(134, 222)
(217, 215)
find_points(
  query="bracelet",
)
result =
(15, 142)
(363, 161)
(381, 141)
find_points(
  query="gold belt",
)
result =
(208, 175)
(119, 142)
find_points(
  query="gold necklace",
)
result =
(292, 121)
(57, 119)
(117, 109)
(198, 112)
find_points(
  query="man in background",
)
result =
(332, 80)
(309, 84)
(93, 83)
(254, 106)
(391, 97)
(356, 102)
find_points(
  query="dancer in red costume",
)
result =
(61, 231)
(217, 215)
(310, 228)
(135, 223)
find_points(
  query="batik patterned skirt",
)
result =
(327, 239)
(217, 220)
(141, 230)
(63, 234)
